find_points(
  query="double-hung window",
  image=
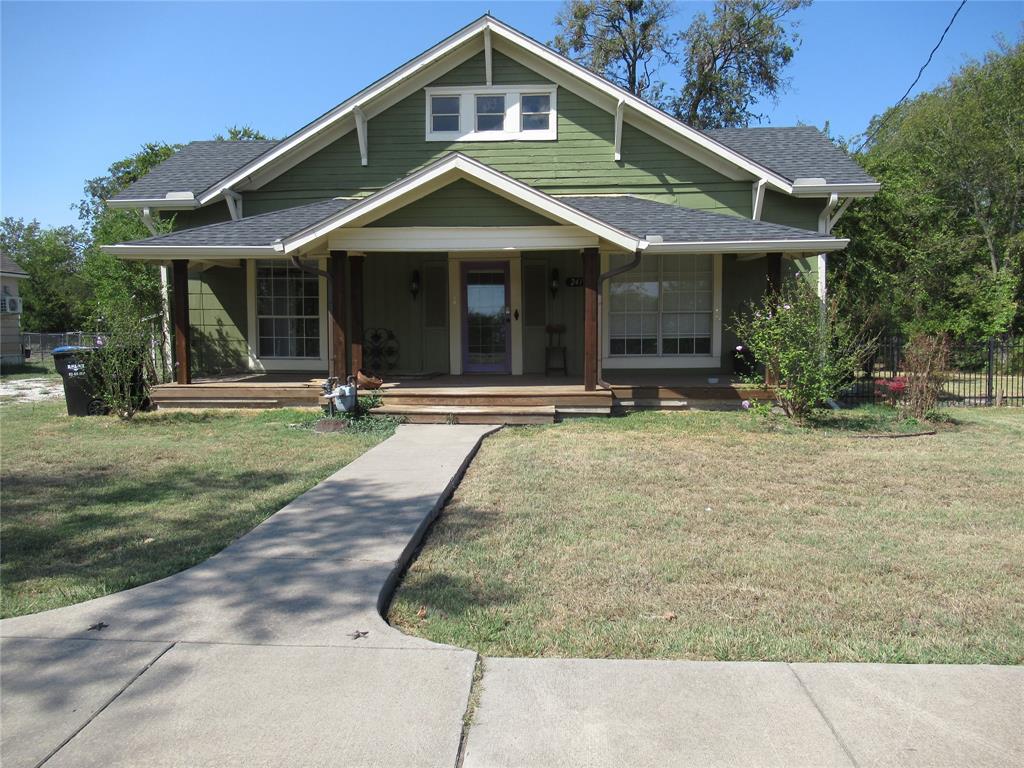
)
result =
(287, 311)
(662, 308)
(492, 113)
(444, 114)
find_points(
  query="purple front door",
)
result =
(486, 320)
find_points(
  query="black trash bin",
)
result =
(78, 392)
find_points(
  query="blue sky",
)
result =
(84, 84)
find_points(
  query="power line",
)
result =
(919, 73)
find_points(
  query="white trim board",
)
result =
(460, 239)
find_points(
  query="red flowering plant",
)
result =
(892, 390)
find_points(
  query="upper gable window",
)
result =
(492, 113)
(444, 113)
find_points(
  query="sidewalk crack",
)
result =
(109, 701)
(476, 688)
(821, 712)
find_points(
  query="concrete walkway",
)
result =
(274, 653)
(271, 653)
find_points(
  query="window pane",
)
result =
(442, 123)
(490, 122)
(444, 105)
(536, 122)
(288, 318)
(490, 105)
(536, 103)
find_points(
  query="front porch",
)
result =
(472, 398)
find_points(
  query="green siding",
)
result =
(800, 212)
(388, 304)
(462, 204)
(580, 161)
(217, 314)
(199, 217)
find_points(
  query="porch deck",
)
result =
(471, 399)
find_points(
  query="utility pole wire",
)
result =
(916, 79)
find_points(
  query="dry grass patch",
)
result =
(95, 505)
(714, 536)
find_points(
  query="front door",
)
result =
(486, 318)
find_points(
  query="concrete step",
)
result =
(470, 414)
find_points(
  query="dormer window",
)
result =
(444, 114)
(492, 113)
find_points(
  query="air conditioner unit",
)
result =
(10, 305)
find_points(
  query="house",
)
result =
(490, 207)
(12, 351)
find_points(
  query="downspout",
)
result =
(600, 311)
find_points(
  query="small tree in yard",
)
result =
(925, 359)
(116, 371)
(807, 351)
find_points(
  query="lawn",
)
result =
(702, 535)
(94, 505)
(30, 369)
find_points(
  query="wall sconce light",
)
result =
(414, 283)
(554, 282)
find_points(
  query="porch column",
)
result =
(182, 340)
(591, 342)
(338, 364)
(356, 276)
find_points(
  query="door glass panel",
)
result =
(486, 321)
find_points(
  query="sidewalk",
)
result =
(274, 653)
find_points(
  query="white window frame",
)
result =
(659, 360)
(513, 124)
(257, 363)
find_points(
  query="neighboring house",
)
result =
(473, 198)
(12, 351)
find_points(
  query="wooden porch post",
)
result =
(338, 365)
(356, 276)
(591, 352)
(182, 336)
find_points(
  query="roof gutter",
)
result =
(819, 188)
(817, 245)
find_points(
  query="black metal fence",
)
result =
(988, 372)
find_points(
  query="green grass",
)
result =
(94, 505)
(706, 535)
(31, 369)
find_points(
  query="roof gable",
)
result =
(452, 51)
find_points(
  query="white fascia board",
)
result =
(162, 252)
(843, 190)
(460, 166)
(460, 239)
(751, 246)
(425, 59)
(156, 203)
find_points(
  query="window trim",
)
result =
(513, 123)
(430, 111)
(257, 363)
(659, 360)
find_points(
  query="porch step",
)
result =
(235, 395)
(652, 404)
(470, 414)
(222, 402)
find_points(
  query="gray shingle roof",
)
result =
(798, 152)
(643, 218)
(633, 215)
(10, 267)
(194, 168)
(252, 231)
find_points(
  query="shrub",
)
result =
(806, 351)
(925, 359)
(117, 369)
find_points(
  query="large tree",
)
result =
(54, 292)
(623, 40)
(733, 60)
(729, 62)
(941, 247)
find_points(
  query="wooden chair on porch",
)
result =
(555, 358)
